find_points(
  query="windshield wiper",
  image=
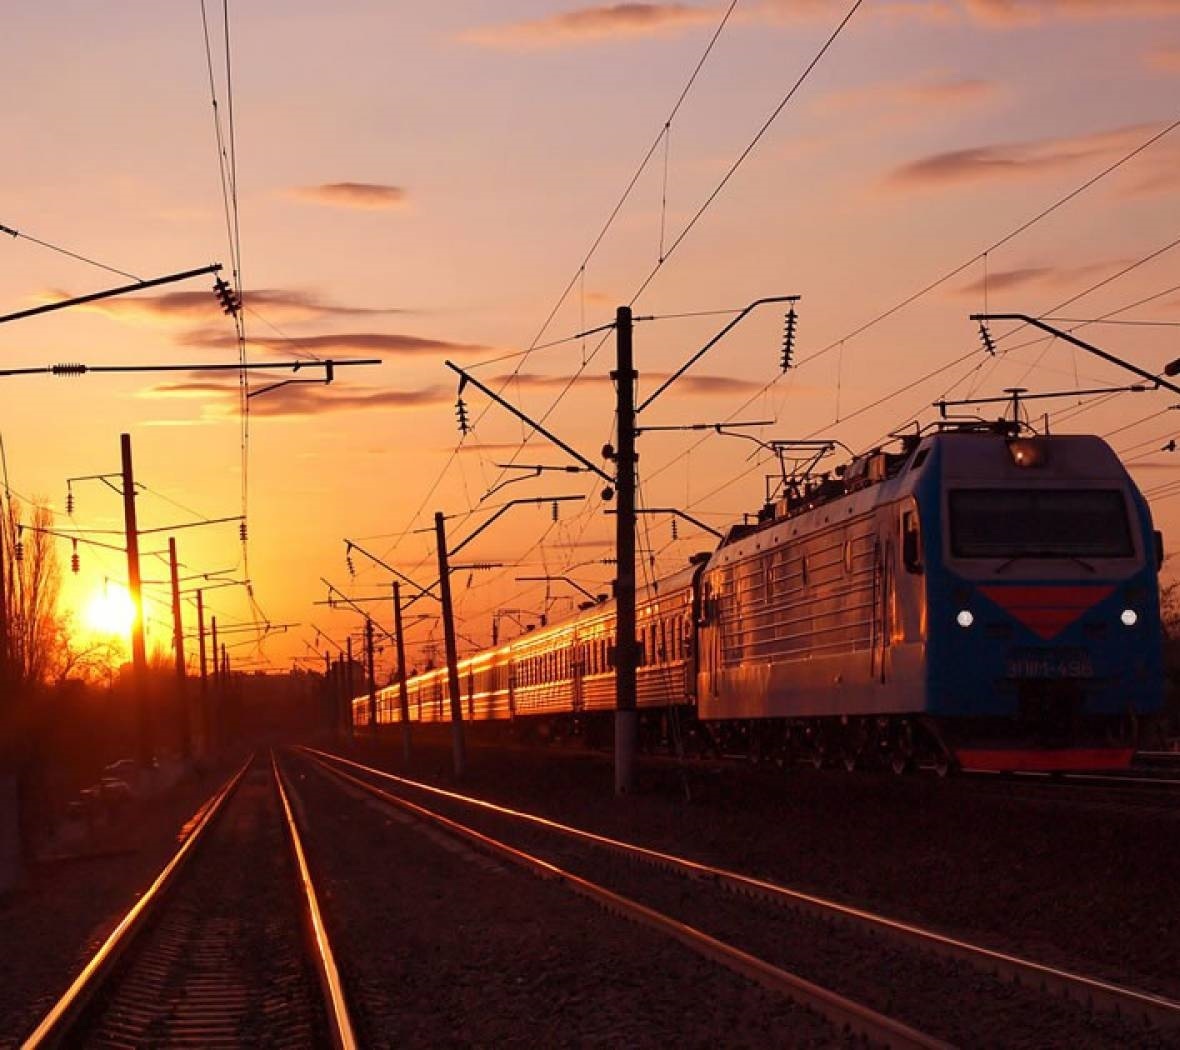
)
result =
(1044, 554)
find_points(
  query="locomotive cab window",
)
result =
(1039, 523)
(911, 541)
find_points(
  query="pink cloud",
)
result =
(1012, 160)
(1015, 12)
(1164, 59)
(595, 23)
(367, 196)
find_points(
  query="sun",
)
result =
(110, 611)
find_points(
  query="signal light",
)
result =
(986, 338)
(461, 415)
(230, 302)
(789, 323)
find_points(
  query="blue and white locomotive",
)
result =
(982, 598)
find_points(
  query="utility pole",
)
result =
(206, 730)
(448, 618)
(216, 707)
(5, 638)
(402, 692)
(329, 692)
(344, 693)
(372, 677)
(138, 649)
(626, 716)
(186, 740)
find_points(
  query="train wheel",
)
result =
(943, 765)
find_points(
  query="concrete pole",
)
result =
(206, 728)
(138, 648)
(448, 617)
(186, 738)
(372, 677)
(626, 716)
(403, 693)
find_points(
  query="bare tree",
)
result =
(32, 583)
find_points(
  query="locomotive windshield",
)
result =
(1039, 523)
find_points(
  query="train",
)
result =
(977, 596)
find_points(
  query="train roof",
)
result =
(967, 451)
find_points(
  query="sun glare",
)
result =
(110, 611)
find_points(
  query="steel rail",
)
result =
(339, 1022)
(839, 1010)
(1094, 992)
(54, 1028)
(1133, 779)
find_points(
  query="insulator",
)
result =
(242, 531)
(461, 414)
(789, 338)
(74, 563)
(18, 550)
(351, 566)
(675, 530)
(553, 510)
(69, 368)
(986, 338)
(230, 303)
(70, 502)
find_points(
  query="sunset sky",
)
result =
(422, 182)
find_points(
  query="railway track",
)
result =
(227, 948)
(885, 980)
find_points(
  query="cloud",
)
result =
(587, 24)
(1164, 59)
(909, 100)
(303, 399)
(488, 447)
(1021, 12)
(1005, 280)
(368, 196)
(701, 385)
(187, 307)
(383, 344)
(1013, 160)
(999, 281)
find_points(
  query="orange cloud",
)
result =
(186, 307)
(368, 196)
(391, 344)
(296, 399)
(702, 385)
(911, 99)
(1012, 160)
(1014, 12)
(595, 23)
(1164, 59)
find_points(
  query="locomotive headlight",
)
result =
(1129, 617)
(965, 618)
